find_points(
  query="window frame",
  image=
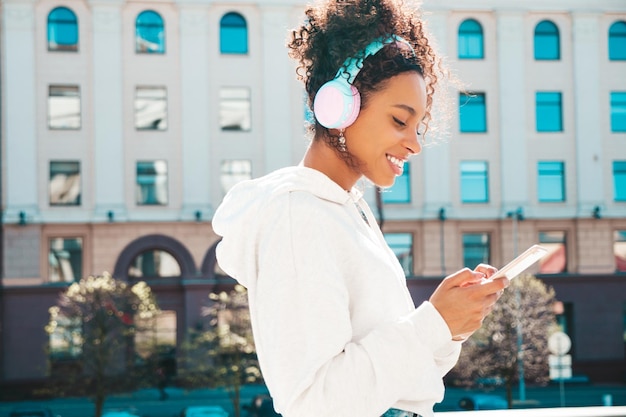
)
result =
(52, 98)
(617, 103)
(139, 190)
(152, 99)
(223, 110)
(81, 239)
(546, 176)
(619, 181)
(545, 104)
(483, 247)
(616, 41)
(51, 25)
(241, 26)
(478, 104)
(78, 198)
(551, 242)
(541, 36)
(474, 176)
(470, 34)
(158, 26)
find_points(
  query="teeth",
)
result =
(397, 162)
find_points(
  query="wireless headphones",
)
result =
(337, 103)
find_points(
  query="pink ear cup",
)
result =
(337, 104)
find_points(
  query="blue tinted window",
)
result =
(400, 191)
(474, 182)
(233, 34)
(548, 112)
(402, 245)
(550, 181)
(617, 41)
(547, 44)
(470, 40)
(149, 33)
(619, 180)
(618, 111)
(472, 113)
(62, 30)
(476, 249)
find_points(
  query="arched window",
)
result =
(154, 263)
(471, 40)
(233, 34)
(62, 30)
(547, 43)
(617, 41)
(149, 33)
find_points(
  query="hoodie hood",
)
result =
(243, 213)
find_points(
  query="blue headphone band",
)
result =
(352, 65)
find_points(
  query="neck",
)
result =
(321, 157)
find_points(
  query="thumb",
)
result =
(462, 278)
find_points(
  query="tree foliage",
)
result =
(491, 354)
(96, 320)
(224, 355)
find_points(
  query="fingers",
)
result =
(463, 278)
(488, 270)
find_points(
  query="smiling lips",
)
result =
(397, 164)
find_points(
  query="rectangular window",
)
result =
(555, 261)
(402, 245)
(400, 191)
(64, 107)
(66, 340)
(619, 180)
(618, 111)
(152, 182)
(65, 259)
(619, 250)
(551, 181)
(64, 185)
(549, 112)
(474, 182)
(155, 334)
(151, 108)
(234, 171)
(476, 249)
(235, 109)
(472, 113)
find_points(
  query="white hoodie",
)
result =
(336, 331)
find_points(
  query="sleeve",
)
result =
(302, 326)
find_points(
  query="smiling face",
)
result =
(387, 130)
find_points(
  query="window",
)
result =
(154, 263)
(551, 181)
(400, 191)
(476, 249)
(62, 30)
(233, 34)
(617, 41)
(155, 335)
(472, 112)
(66, 337)
(151, 182)
(474, 182)
(65, 259)
(235, 108)
(234, 171)
(64, 183)
(149, 33)
(548, 112)
(619, 250)
(619, 180)
(618, 111)
(470, 40)
(547, 44)
(64, 107)
(151, 108)
(555, 261)
(402, 245)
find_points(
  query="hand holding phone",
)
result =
(521, 263)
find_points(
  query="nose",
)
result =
(413, 143)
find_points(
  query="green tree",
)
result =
(97, 319)
(492, 352)
(224, 354)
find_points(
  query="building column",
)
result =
(109, 176)
(196, 143)
(277, 81)
(513, 118)
(20, 112)
(587, 53)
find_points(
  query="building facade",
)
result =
(124, 123)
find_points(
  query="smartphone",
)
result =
(521, 263)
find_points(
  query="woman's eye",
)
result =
(398, 121)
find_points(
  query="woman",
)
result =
(336, 331)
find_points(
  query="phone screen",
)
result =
(521, 263)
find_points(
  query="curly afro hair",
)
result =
(338, 29)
